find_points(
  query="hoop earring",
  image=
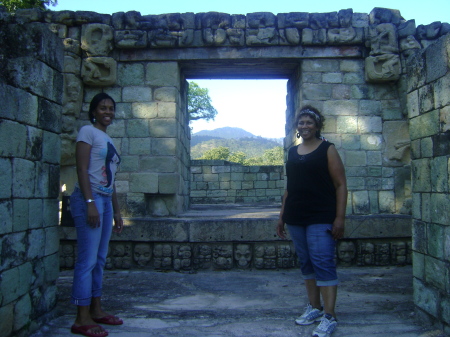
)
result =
(298, 134)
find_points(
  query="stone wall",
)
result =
(429, 112)
(31, 61)
(222, 182)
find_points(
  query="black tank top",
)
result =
(311, 193)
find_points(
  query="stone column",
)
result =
(31, 84)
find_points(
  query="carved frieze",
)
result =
(99, 71)
(96, 39)
(382, 68)
(383, 39)
(142, 254)
(409, 45)
(314, 36)
(73, 95)
(125, 39)
(348, 35)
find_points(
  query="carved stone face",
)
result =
(346, 251)
(142, 254)
(243, 255)
(184, 252)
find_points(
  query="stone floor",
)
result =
(374, 301)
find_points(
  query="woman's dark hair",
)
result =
(315, 114)
(96, 101)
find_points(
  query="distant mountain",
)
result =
(225, 132)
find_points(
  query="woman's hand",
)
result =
(118, 224)
(281, 230)
(93, 218)
(338, 229)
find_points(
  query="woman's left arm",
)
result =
(337, 173)
(118, 221)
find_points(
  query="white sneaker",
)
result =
(326, 327)
(310, 316)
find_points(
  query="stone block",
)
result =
(34, 143)
(435, 273)
(341, 91)
(260, 184)
(350, 142)
(441, 96)
(361, 204)
(353, 78)
(439, 201)
(351, 66)
(163, 74)
(39, 78)
(412, 101)
(123, 111)
(138, 146)
(437, 59)
(144, 182)
(425, 125)
(210, 177)
(370, 124)
(130, 74)
(49, 116)
(144, 110)
(6, 323)
(224, 176)
(50, 212)
(12, 139)
(318, 91)
(332, 78)
(9, 285)
(426, 298)
(122, 186)
(247, 185)
(164, 147)
(445, 310)
(347, 124)
(163, 127)
(134, 94)
(225, 185)
(22, 312)
(426, 147)
(20, 214)
(418, 265)
(137, 128)
(439, 174)
(341, 108)
(129, 163)
(166, 94)
(321, 65)
(421, 179)
(51, 151)
(168, 183)
(6, 220)
(51, 268)
(167, 110)
(117, 129)
(23, 178)
(386, 202)
(52, 240)
(6, 181)
(19, 105)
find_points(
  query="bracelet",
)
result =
(90, 200)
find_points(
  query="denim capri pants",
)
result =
(315, 248)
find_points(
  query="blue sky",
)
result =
(257, 106)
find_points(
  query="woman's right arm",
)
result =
(281, 231)
(82, 155)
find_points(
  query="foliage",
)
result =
(271, 157)
(13, 5)
(218, 153)
(199, 103)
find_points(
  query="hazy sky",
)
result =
(257, 106)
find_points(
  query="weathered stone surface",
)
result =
(130, 39)
(99, 71)
(96, 39)
(383, 68)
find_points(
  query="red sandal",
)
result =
(84, 330)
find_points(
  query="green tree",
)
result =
(218, 153)
(274, 156)
(199, 103)
(13, 5)
(237, 157)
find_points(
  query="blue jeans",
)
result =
(315, 248)
(92, 246)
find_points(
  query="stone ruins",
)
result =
(381, 81)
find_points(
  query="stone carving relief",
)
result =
(347, 35)
(261, 29)
(125, 39)
(409, 45)
(202, 257)
(96, 39)
(382, 257)
(398, 251)
(223, 257)
(286, 258)
(397, 140)
(383, 39)
(265, 257)
(346, 252)
(366, 254)
(99, 71)
(182, 257)
(142, 254)
(67, 256)
(73, 95)
(121, 255)
(243, 256)
(162, 256)
(383, 68)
